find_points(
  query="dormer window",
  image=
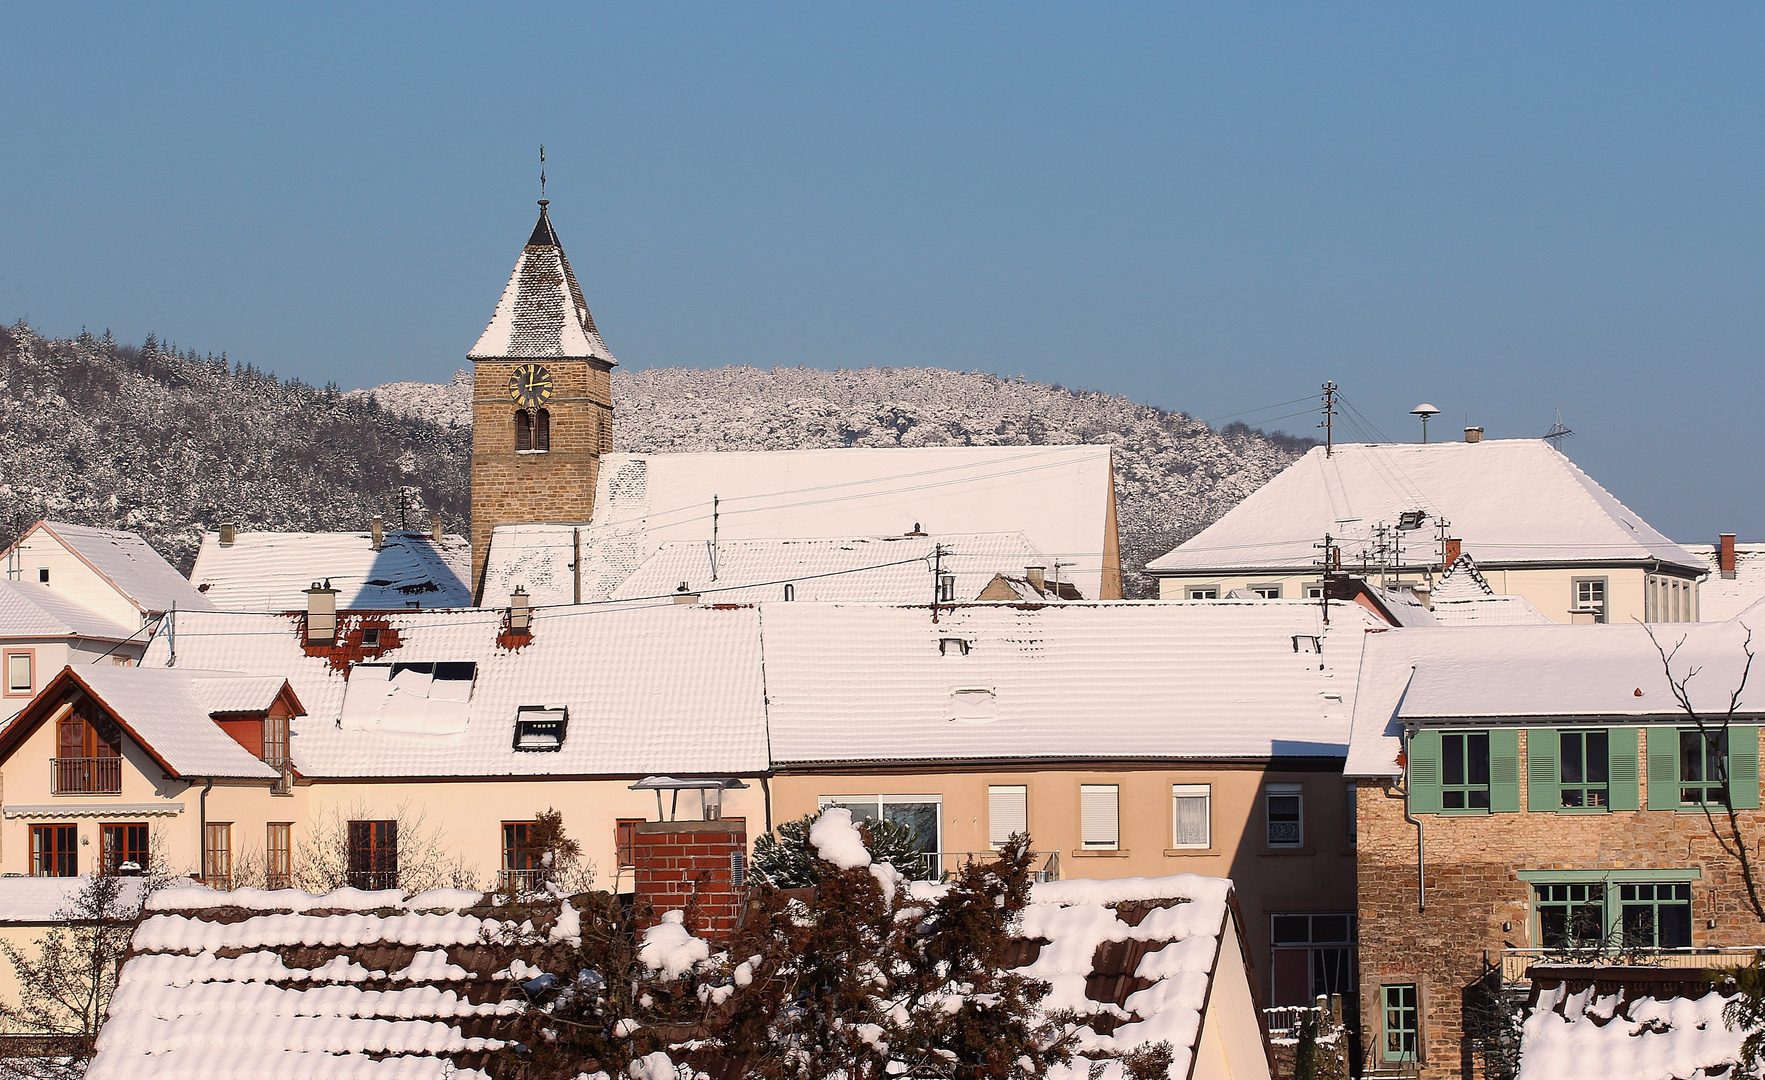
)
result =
(540, 728)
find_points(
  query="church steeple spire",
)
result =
(542, 312)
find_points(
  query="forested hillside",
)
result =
(168, 443)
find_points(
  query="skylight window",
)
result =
(949, 645)
(540, 729)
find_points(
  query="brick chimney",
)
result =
(1454, 548)
(229, 532)
(700, 867)
(1473, 434)
(1725, 554)
(378, 529)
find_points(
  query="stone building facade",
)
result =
(1493, 883)
(542, 405)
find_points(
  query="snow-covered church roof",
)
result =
(542, 312)
(1059, 497)
(1513, 502)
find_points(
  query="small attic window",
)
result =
(539, 729)
(43, 574)
(1308, 643)
(371, 637)
(949, 645)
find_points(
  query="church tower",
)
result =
(542, 400)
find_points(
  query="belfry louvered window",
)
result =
(542, 430)
(523, 430)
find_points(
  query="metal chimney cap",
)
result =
(1424, 409)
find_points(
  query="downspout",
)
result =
(202, 829)
(766, 790)
(1403, 792)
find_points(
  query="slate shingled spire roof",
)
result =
(542, 312)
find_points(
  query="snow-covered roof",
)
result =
(54, 899)
(886, 569)
(542, 312)
(1723, 598)
(1498, 610)
(30, 610)
(1513, 502)
(1004, 681)
(130, 564)
(658, 689)
(1058, 497)
(268, 571)
(1626, 1023)
(1549, 673)
(169, 712)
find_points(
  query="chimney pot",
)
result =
(1725, 554)
(1038, 576)
(378, 529)
(229, 532)
(1473, 434)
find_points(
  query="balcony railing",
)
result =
(86, 775)
(937, 865)
(285, 766)
(520, 881)
(1515, 963)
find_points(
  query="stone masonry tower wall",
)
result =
(542, 401)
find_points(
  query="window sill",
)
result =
(1100, 853)
(1478, 812)
(1289, 851)
(1572, 811)
(1191, 852)
(525, 453)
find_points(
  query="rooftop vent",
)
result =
(973, 705)
(229, 532)
(946, 588)
(1308, 643)
(947, 645)
(540, 728)
(1411, 519)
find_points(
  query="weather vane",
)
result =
(542, 172)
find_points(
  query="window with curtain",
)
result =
(1099, 816)
(279, 854)
(1192, 810)
(217, 855)
(1283, 804)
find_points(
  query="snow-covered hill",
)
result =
(1174, 475)
(169, 443)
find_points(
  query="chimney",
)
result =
(1454, 548)
(436, 530)
(685, 595)
(1725, 554)
(520, 613)
(229, 532)
(1037, 576)
(1473, 434)
(321, 614)
(696, 866)
(378, 529)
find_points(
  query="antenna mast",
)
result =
(1329, 415)
(1558, 432)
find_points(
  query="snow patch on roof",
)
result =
(268, 571)
(30, 610)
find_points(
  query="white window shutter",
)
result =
(1099, 816)
(1008, 812)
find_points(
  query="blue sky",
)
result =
(1500, 209)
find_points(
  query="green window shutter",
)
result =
(1504, 771)
(1425, 772)
(1663, 768)
(1541, 769)
(1623, 787)
(1743, 766)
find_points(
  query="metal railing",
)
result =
(1515, 963)
(522, 881)
(938, 865)
(86, 775)
(1283, 1020)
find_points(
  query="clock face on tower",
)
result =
(530, 385)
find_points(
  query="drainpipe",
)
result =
(1403, 793)
(202, 829)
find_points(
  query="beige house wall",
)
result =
(1230, 1044)
(1551, 590)
(1318, 876)
(50, 655)
(70, 576)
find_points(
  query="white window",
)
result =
(1267, 590)
(1099, 816)
(1314, 592)
(1192, 815)
(920, 813)
(1284, 804)
(18, 673)
(1590, 598)
(1204, 592)
(1008, 812)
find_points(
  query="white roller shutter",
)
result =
(1099, 816)
(1008, 812)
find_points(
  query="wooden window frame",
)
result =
(279, 854)
(107, 861)
(373, 854)
(1467, 787)
(217, 854)
(625, 840)
(523, 431)
(542, 430)
(42, 854)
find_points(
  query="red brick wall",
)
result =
(1474, 887)
(685, 865)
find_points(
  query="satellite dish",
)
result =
(1424, 410)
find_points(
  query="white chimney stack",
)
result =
(520, 612)
(321, 614)
(1038, 577)
(378, 528)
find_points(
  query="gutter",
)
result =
(202, 827)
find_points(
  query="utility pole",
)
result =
(937, 578)
(1329, 416)
(1329, 563)
(714, 515)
